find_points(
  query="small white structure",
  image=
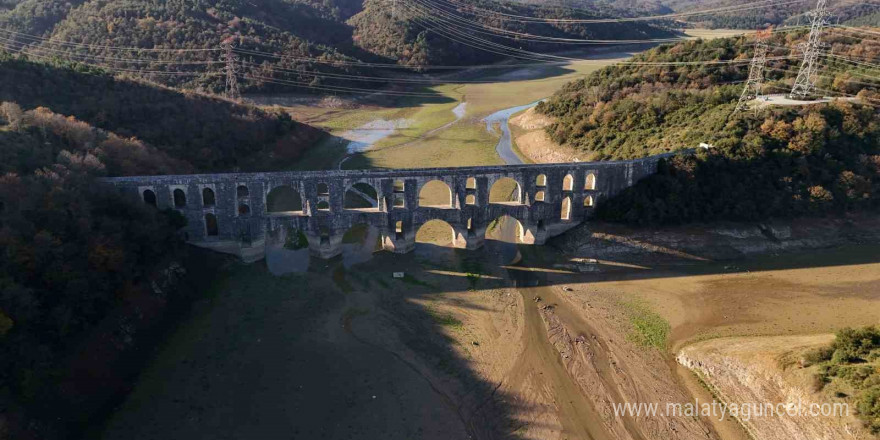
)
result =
(397, 274)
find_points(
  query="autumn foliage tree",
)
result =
(785, 161)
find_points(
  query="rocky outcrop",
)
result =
(748, 371)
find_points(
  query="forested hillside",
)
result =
(750, 17)
(75, 258)
(178, 42)
(444, 33)
(208, 133)
(623, 7)
(284, 44)
(85, 275)
(784, 161)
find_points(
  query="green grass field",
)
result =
(430, 138)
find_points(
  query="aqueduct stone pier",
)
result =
(237, 212)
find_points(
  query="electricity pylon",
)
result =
(752, 89)
(231, 59)
(805, 83)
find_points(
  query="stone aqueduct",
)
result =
(236, 213)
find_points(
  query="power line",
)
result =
(833, 94)
(528, 19)
(804, 84)
(439, 14)
(233, 83)
(340, 88)
(752, 89)
(231, 69)
(95, 46)
(47, 58)
(61, 52)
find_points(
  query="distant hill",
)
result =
(406, 36)
(785, 161)
(760, 17)
(872, 19)
(207, 134)
(293, 29)
(622, 8)
(281, 38)
(749, 17)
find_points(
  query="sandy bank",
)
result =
(533, 142)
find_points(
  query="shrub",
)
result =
(849, 354)
(869, 408)
(818, 355)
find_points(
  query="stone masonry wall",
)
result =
(236, 218)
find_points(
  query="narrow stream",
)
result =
(505, 144)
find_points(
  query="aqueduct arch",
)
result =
(236, 212)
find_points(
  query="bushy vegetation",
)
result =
(852, 362)
(786, 161)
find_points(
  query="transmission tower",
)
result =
(805, 84)
(231, 60)
(752, 89)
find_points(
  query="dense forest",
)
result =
(85, 275)
(73, 253)
(283, 44)
(147, 29)
(785, 161)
